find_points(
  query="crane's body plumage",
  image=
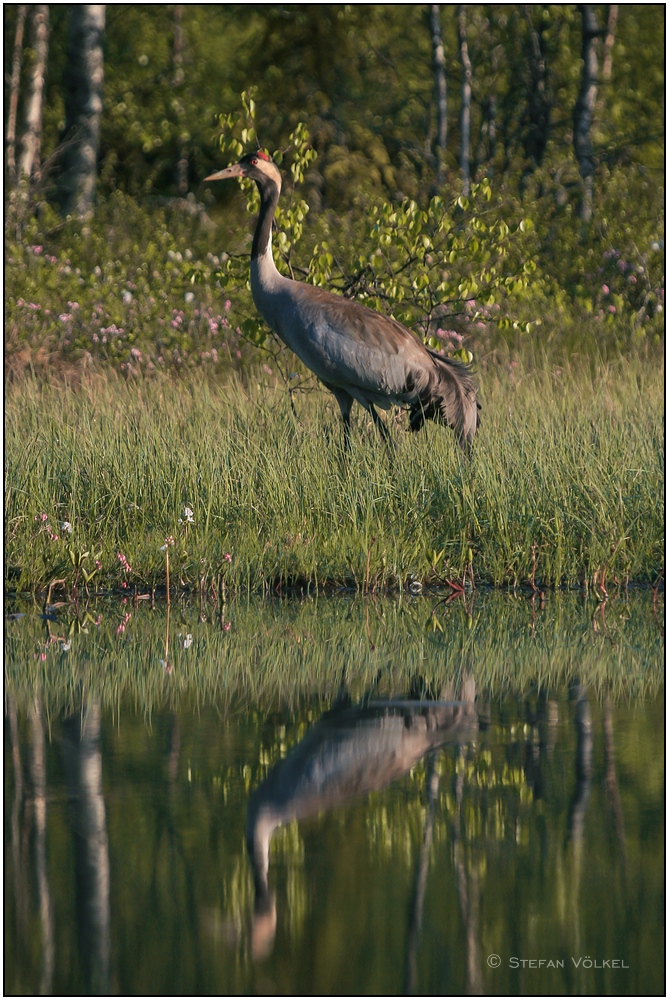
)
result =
(357, 353)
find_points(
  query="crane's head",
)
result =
(258, 166)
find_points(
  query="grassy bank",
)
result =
(566, 484)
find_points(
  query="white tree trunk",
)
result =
(83, 109)
(14, 91)
(32, 137)
(465, 109)
(609, 39)
(177, 83)
(439, 69)
(585, 105)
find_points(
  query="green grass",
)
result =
(566, 482)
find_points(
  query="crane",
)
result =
(350, 751)
(358, 354)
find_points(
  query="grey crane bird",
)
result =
(357, 353)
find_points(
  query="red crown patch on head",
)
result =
(263, 156)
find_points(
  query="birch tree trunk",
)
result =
(487, 142)
(14, 91)
(607, 55)
(465, 110)
(439, 69)
(539, 108)
(177, 83)
(83, 109)
(32, 137)
(585, 105)
(609, 39)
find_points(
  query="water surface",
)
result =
(335, 797)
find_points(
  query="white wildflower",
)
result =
(187, 516)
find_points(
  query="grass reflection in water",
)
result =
(395, 846)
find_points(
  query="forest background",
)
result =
(492, 175)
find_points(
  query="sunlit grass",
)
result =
(565, 485)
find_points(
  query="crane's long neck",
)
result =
(262, 238)
(265, 278)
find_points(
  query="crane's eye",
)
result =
(254, 163)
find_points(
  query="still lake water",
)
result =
(336, 796)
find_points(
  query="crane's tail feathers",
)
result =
(450, 395)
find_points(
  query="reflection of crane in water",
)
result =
(350, 751)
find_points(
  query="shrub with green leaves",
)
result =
(447, 265)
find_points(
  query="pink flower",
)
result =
(126, 618)
(226, 628)
(605, 289)
(450, 335)
(227, 557)
(228, 304)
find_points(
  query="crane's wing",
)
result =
(378, 361)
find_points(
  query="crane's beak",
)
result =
(236, 170)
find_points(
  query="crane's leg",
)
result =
(347, 430)
(345, 403)
(383, 430)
